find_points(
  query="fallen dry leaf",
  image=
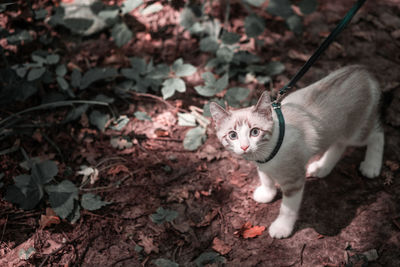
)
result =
(161, 133)
(148, 244)
(49, 219)
(208, 218)
(117, 169)
(220, 247)
(249, 231)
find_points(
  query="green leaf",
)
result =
(295, 24)
(209, 258)
(44, 172)
(281, 8)
(40, 14)
(230, 38)
(256, 3)
(254, 25)
(206, 107)
(76, 113)
(61, 197)
(26, 254)
(61, 70)
(131, 74)
(25, 192)
(121, 122)
(78, 25)
(121, 34)
(52, 59)
(308, 6)
(171, 85)
(139, 64)
(38, 59)
(186, 119)
(181, 69)
(142, 116)
(36, 73)
(90, 201)
(235, 95)
(163, 215)
(154, 8)
(96, 74)
(159, 72)
(194, 138)
(130, 5)
(21, 71)
(225, 54)
(76, 77)
(274, 68)
(99, 119)
(212, 86)
(21, 36)
(165, 263)
(62, 83)
(209, 44)
(74, 216)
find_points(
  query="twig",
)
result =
(53, 144)
(9, 150)
(154, 97)
(55, 105)
(52, 253)
(4, 230)
(301, 254)
(111, 186)
(110, 158)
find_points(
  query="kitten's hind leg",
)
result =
(371, 166)
(266, 191)
(325, 164)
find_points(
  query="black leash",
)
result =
(276, 104)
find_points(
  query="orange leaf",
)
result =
(48, 219)
(220, 247)
(253, 231)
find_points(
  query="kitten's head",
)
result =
(244, 131)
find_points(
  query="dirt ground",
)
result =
(342, 216)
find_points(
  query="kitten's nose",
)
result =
(244, 147)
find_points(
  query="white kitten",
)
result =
(338, 111)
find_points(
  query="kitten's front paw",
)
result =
(264, 194)
(282, 227)
(370, 170)
(316, 169)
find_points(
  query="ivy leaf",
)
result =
(171, 85)
(61, 70)
(154, 8)
(209, 258)
(52, 59)
(308, 6)
(90, 202)
(181, 69)
(99, 119)
(121, 34)
(194, 138)
(165, 263)
(256, 3)
(130, 5)
(62, 83)
(163, 215)
(40, 14)
(281, 8)
(26, 254)
(235, 95)
(186, 119)
(274, 68)
(44, 172)
(62, 197)
(159, 72)
(36, 73)
(254, 25)
(212, 86)
(76, 77)
(225, 54)
(142, 116)
(295, 24)
(21, 36)
(139, 64)
(230, 38)
(206, 107)
(96, 74)
(209, 44)
(25, 192)
(76, 113)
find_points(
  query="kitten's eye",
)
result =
(232, 135)
(255, 132)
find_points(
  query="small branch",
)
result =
(154, 97)
(301, 254)
(54, 105)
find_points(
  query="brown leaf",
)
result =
(147, 244)
(161, 133)
(208, 218)
(117, 169)
(220, 247)
(249, 231)
(49, 219)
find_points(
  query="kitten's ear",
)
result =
(264, 105)
(218, 113)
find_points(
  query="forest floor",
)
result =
(342, 216)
